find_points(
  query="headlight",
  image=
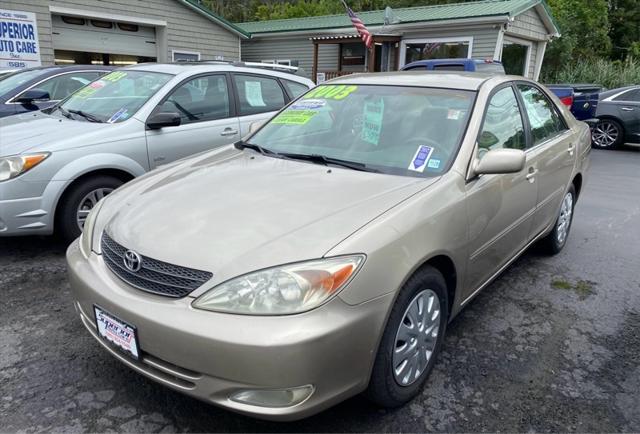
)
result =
(281, 290)
(16, 165)
(86, 238)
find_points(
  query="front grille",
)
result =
(154, 276)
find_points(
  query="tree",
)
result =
(624, 16)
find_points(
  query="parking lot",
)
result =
(552, 345)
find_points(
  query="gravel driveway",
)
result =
(552, 345)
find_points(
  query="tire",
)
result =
(608, 134)
(85, 195)
(555, 241)
(385, 388)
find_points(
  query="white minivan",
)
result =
(57, 163)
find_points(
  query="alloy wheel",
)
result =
(564, 220)
(88, 202)
(416, 337)
(605, 134)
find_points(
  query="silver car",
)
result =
(325, 255)
(56, 164)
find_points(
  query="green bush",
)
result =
(610, 74)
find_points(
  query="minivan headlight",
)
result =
(16, 165)
(285, 289)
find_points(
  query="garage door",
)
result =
(99, 36)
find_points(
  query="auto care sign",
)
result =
(19, 45)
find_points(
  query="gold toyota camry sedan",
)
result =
(324, 255)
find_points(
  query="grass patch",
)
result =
(583, 288)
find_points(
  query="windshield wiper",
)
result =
(323, 159)
(65, 113)
(87, 116)
(240, 144)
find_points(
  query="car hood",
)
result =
(231, 212)
(38, 131)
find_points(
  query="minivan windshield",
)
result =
(411, 131)
(114, 97)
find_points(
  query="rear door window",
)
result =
(544, 118)
(503, 126)
(258, 94)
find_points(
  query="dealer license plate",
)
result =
(117, 332)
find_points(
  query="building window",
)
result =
(515, 56)
(102, 24)
(278, 62)
(441, 48)
(185, 56)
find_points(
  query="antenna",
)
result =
(390, 17)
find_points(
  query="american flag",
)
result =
(364, 33)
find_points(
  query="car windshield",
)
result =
(114, 97)
(12, 81)
(409, 131)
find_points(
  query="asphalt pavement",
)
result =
(552, 345)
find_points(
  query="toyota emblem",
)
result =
(132, 261)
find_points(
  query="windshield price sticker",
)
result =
(372, 121)
(420, 159)
(335, 91)
(294, 117)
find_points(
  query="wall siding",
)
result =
(484, 38)
(186, 29)
(297, 47)
(528, 25)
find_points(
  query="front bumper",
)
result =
(26, 208)
(211, 355)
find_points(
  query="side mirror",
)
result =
(33, 95)
(255, 126)
(500, 161)
(160, 120)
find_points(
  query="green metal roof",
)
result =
(475, 9)
(195, 4)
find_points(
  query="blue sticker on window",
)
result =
(420, 159)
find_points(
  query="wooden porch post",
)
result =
(372, 58)
(314, 69)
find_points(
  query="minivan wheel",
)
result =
(79, 201)
(607, 134)
(557, 238)
(411, 340)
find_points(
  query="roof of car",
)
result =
(444, 79)
(197, 67)
(612, 92)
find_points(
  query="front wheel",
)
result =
(607, 134)
(79, 201)
(411, 340)
(557, 238)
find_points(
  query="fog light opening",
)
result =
(273, 398)
(3, 227)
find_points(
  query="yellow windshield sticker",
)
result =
(115, 76)
(335, 91)
(294, 117)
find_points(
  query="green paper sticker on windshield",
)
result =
(294, 117)
(372, 121)
(332, 91)
(115, 76)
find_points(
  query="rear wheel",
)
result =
(79, 201)
(557, 238)
(411, 341)
(608, 134)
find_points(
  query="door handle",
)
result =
(531, 176)
(229, 132)
(571, 149)
(626, 109)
